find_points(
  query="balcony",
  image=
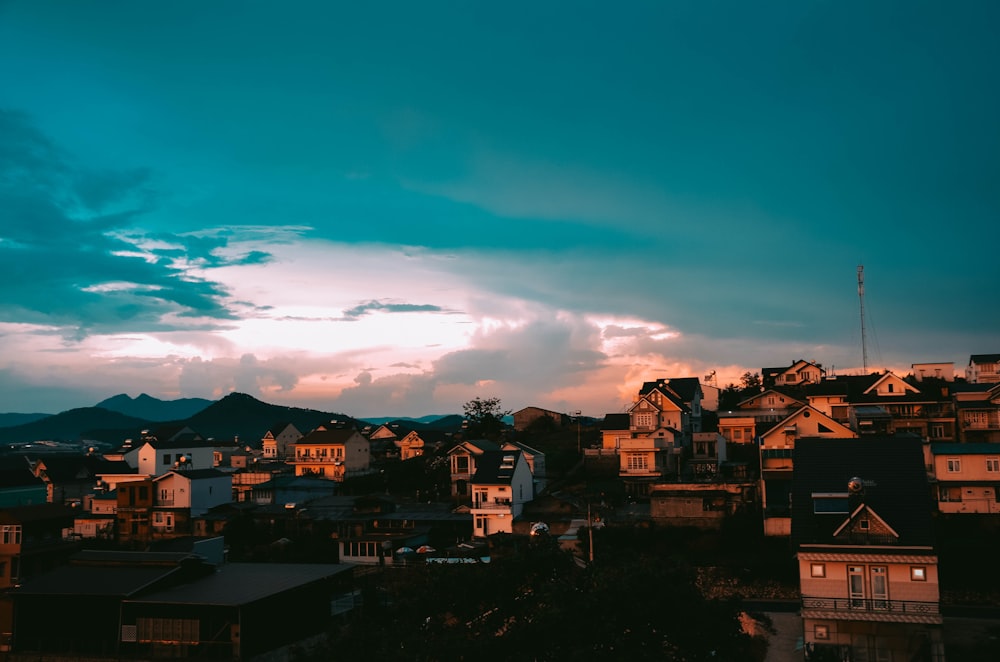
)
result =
(502, 505)
(871, 609)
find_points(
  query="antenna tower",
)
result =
(861, 298)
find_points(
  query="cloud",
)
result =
(382, 307)
(68, 234)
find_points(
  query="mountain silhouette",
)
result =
(153, 409)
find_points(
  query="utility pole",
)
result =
(579, 448)
(861, 297)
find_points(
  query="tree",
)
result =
(485, 416)
(750, 381)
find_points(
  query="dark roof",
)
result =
(984, 358)
(323, 435)
(616, 422)
(15, 472)
(180, 444)
(849, 385)
(37, 513)
(91, 581)
(235, 584)
(196, 474)
(684, 387)
(491, 469)
(950, 447)
(892, 471)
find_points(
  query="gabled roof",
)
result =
(783, 392)
(890, 377)
(194, 474)
(513, 445)
(685, 388)
(894, 479)
(475, 446)
(817, 417)
(496, 467)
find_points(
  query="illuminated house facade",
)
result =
(868, 570)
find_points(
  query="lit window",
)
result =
(817, 570)
(918, 573)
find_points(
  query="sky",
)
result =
(392, 208)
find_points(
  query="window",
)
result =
(168, 630)
(918, 573)
(993, 464)
(937, 431)
(166, 458)
(461, 464)
(950, 494)
(11, 534)
(827, 503)
(637, 461)
(822, 632)
(738, 434)
(817, 570)
(954, 465)
(644, 420)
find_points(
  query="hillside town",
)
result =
(840, 517)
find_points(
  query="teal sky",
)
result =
(390, 208)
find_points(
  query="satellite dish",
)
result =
(539, 529)
(855, 486)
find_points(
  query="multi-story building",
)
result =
(977, 408)
(335, 452)
(500, 488)
(966, 477)
(983, 369)
(277, 443)
(868, 570)
(463, 460)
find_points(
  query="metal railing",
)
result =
(871, 605)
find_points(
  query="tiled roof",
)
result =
(894, 478)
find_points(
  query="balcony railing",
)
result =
(872, 606)
(496, 504)
(313, 459)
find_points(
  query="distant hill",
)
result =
(73, 425)
(448, 423)
(153, 409)
(242, 415)
(8, 420)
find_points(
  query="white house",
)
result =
(500, 487)
(193, 490)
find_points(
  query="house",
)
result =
(737, 428)
(500, 488)
(977, 412)
(146, 605)
(181, 495)
(155, 456)
(277, 441)
(800, 372)
(134, 511)
(536, 464)
(335, 452)
(462, 460)
(891, 405)
(685, 391)
(776, 463)
(523, 418)
(770, 406)
(966, 477)
(944, 371)
(868, 570)
(983, 369)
